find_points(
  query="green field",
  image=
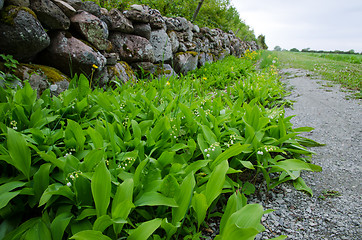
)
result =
(334, 67)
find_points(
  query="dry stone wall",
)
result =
(72, 36)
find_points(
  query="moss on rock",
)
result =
(10, 12)
(53, 75)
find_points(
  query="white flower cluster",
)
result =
(125, 122)
(122, 106)
(128, 162)
(211, 149)
(13, 124)
(196, 112)
(72, 177)
(174, 132)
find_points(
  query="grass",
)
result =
(339, 69)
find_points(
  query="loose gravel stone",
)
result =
(337, 123)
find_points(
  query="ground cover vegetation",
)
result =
(212, 13)
(345, 69)
(148, 160)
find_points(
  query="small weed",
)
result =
(329, 194)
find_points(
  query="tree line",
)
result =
(278, 48)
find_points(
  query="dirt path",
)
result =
(338, 124)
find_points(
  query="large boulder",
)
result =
(76, 4)
(143, 30)
(138, 13)
(50, 15)
(161, 45)
(132, 48)
(175, 44)
(120, 73)
(120, 22)
(43, 77)
(70, 55)
(67, 9)
(21, 33)
(205, 58)
(92, 29)
(156, 20)
(92, 8)
(179, 24)
(185, 62)
(19, 3)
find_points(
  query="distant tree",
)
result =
(351, 51)
(261, 41)
(294, 50)
(277, 48)
(305, 49)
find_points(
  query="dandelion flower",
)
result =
(94, 66)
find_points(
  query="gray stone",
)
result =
(1, 4)
(175, 44)
(112, 58)
(196, 28)
(76, 4)
(161, 45)
(92, 29)
(137, 7)
(156, 20)
(205, 58)
(71, 55)
(143, 30)
(164, 71)
(92, 8)
(132, 48)
(177, 24)
(50, 15)
(20, 3)
(120, 22)
(182, 47)
(24, 36)
(120, 73)
(137, 16)
(67, 9)
(185, 62)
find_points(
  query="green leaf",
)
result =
(155, 199)
(83, 87)
(41, 180)
(144, 231)
(92, 159)
(169, 186)
(6, 197)
(235, 203)
(90, 235)
(101, 188)
(208, 134)
(183, 198)
(102, 223)
(56, 189)
(234, 150)
(74, 131)
(96, 137)
(199, 204)
(19, 152)
(38, 231)
(247, 164)
(216, 182)
(59, 225)
(122, 201)
(300, 185)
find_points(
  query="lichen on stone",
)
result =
(53, 75)
(10, 12)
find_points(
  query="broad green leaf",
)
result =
(102, 223)
(216, 182)
(136, 129)
(6, 197)
(88, 212)
(83, 87)
(247, 164)
(19, 152)
(90, 235)
(210, 137)
(138, 172)
(74, 131)
(281, 237)
(96, 137)
(199, 204)
(300, 185)
(145, 230)
(92, 160)
(183, 198)
(38, 231)
(101, 188)
(155, 199)
(195, 166)
(235, 203)
(59, 225)
(41, 180)
(234, 150)
(169, 186)
(56, 189)
(169, 228)
(7, 187)
(51, 157)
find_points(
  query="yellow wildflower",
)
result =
(94, 66)
(168, 83)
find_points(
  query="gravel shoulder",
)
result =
(337, 123)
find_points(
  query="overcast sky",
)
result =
(316, 24)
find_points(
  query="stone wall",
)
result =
(64, 37)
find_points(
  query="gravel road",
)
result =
(338, 124)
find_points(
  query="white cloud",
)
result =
(317, 24)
